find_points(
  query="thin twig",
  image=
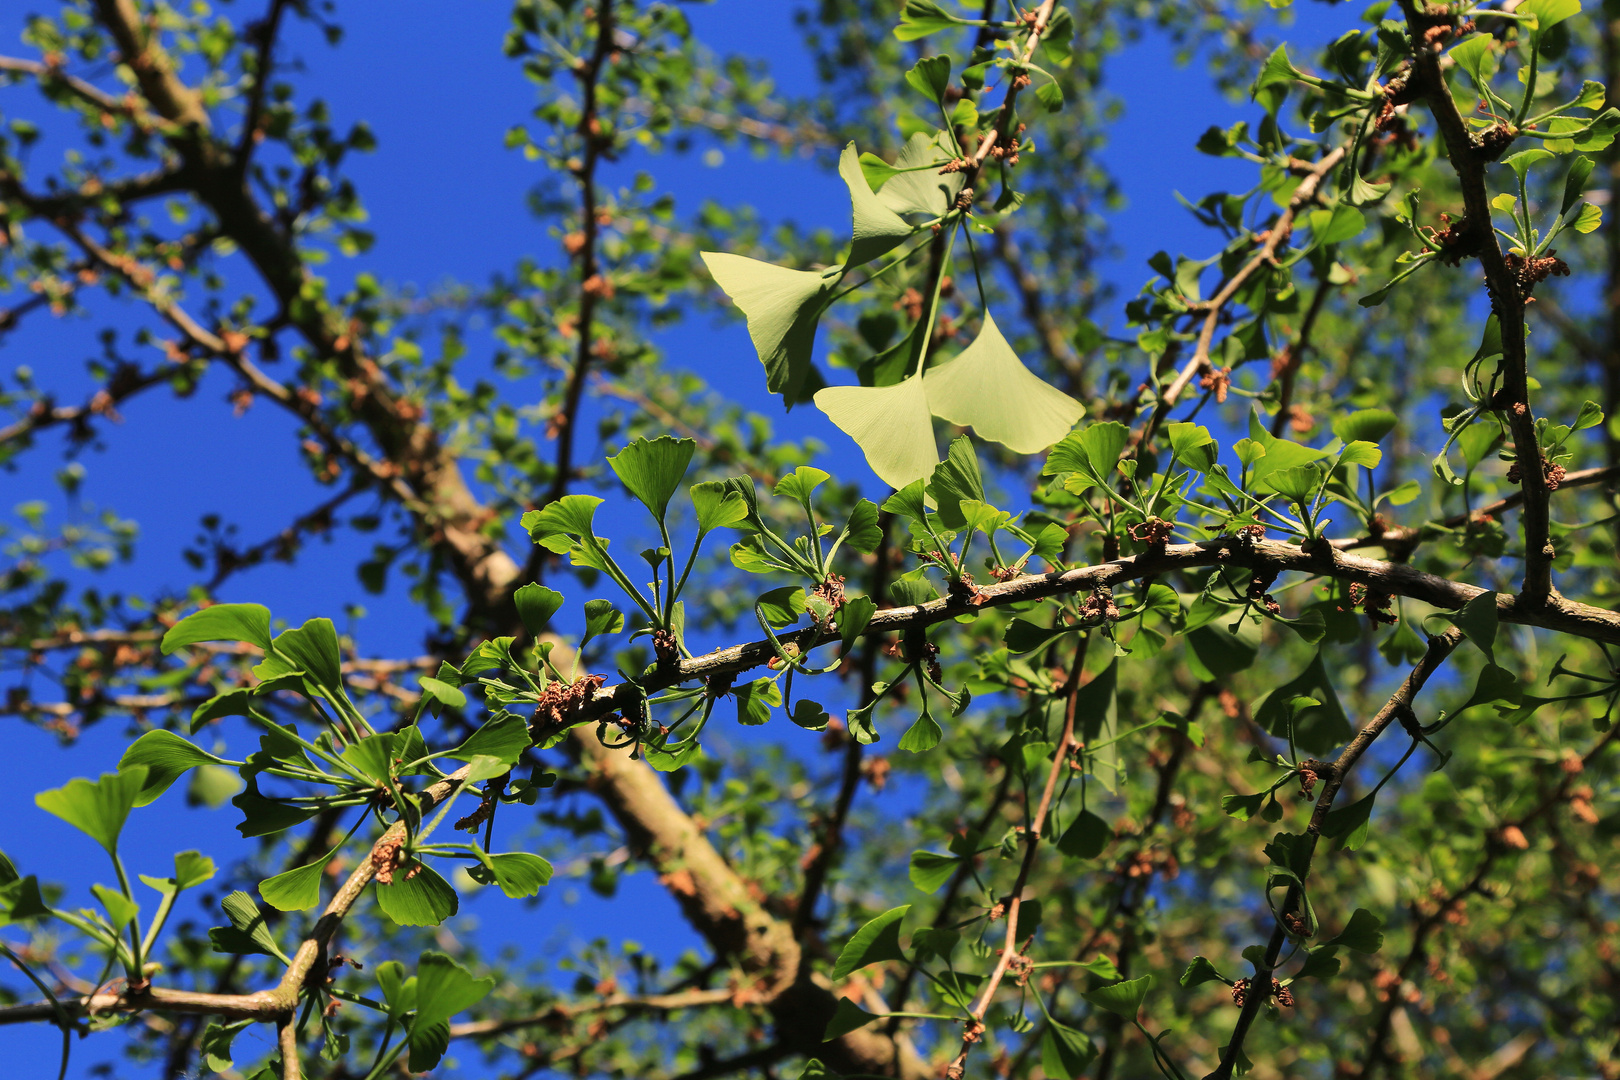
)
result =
(1399, 705)
(1032, 839)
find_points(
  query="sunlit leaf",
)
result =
(987, 388)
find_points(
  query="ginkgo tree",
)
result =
(1253, 662)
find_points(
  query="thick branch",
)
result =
(1507, 304)
(1396, 579)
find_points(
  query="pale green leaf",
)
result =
(782, 307)
(98, 808)
(987, 388)
(877, 229)
(891, 424)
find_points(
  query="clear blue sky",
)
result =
(447, 203)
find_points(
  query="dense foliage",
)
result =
(1253, 667)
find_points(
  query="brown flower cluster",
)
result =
(1283, 995)
(1099, 606)
(1219, 380)
(1530, 272)
(560, 701)
(1155, 532)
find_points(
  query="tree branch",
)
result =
(1032, 839)
(593, 283)
(1512, 400)
(1396, 579)
(1399, 705)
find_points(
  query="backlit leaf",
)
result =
(782, 307)
(891, 425)
(652, 469)
(221, 622)
(987, 388)
(877, 940)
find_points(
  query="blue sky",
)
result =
(447, 202)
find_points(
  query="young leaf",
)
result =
(167, 757)
(718, 505)
(1124, 999)
(877, 940)
(295, 890)
(987, 388)
(1477, 620)
(1316, 730)
(98, 808)
(1086, 837)
(1473, 54)
(221, 622)
(121, 910)
(891, 425)
(810, 715)
(520, 874)
(1200, 971)
(847, 1017)
(1066, 1053)
(419, 896)
(930, 76)
(800, 484)
(312, 649)
(570, 516)
(651, 469)
(1363, 933)
(863, 532)
(443, 989)
(918, 189)
(1549, 13)
(536, 604)
(909, 502)
(918, 19)
(1350, 823)
(782, 307)
(782, 607)
(924, 734)
(877, 229)
(853, 617)
(502, 737)
(930, 870)
(443, 692)
(601, 617)
(755, 700)
(1365, 425)
(955, 479)
(248, 932)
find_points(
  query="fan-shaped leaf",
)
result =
(167, 757)
(419, 896)
(97, 807)
(923, 191)
(988, 389)
(891, 425)
(782, 307)
(221, 622)
(520, 874)
(877, 229)
(651, 469)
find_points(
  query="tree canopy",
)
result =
(1129, 670)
